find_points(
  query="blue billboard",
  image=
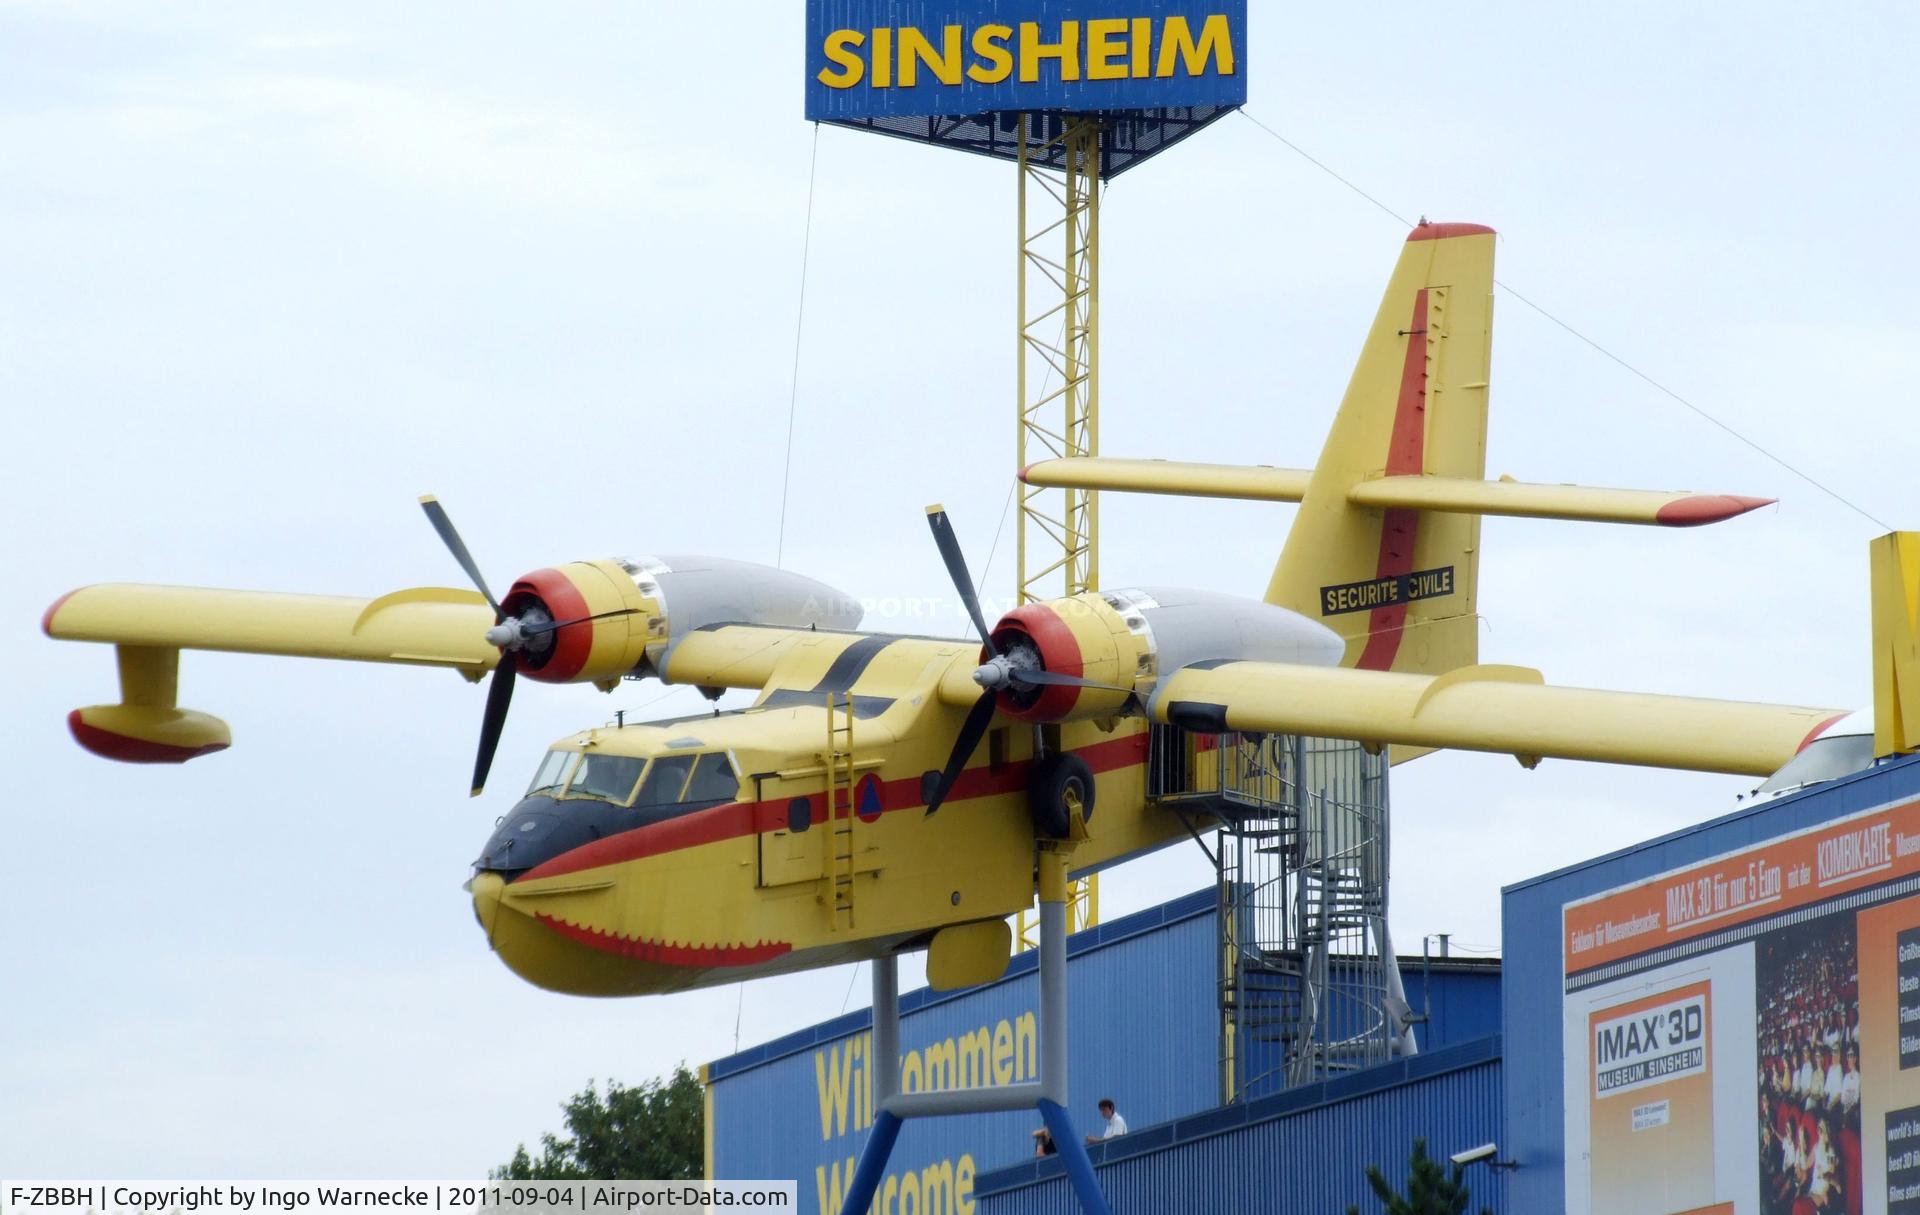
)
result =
(871, 59)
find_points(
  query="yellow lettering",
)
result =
(1003, 1053)
(839, 49)
(916, 50)
(1105, 40)
(963, 1184)
(833, 1072)
(910, 1072)
(975, 1050)
(832, 1183)
(936, 1188)
(1032, 51)
(1026, 1045)
(1176, 41)
(1142, 61)
(990, 48)
(883, 58)
(887, 1194)
(942, 1069)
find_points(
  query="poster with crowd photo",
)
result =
(1807, 994)
(1742, 1037)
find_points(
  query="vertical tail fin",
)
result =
(1399, 584)
(1896, 643)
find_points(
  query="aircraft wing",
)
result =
(428, 626)
(1489, 708)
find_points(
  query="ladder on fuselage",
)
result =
(842, 810)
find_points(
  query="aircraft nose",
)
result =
(540, 828)
(485, 887)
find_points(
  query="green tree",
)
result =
(655, 1130)
(1431, 1190)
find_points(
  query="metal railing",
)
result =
(1308, 983)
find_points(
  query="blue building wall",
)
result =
(1459, 996)
(1304, 1152)
(1142, 1016)
(1534, 981)
(1145, 1024)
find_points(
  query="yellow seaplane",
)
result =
(887, 792)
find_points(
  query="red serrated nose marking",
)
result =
(660, 951)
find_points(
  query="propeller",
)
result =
(981, 715)
(1012, 669)
(531, 633)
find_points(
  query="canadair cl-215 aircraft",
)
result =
(888, 792)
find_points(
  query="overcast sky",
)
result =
(267, 273)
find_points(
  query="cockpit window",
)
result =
(665, 779)
(1823, 759)
(552, 773)
(610, 778)
(713, 780)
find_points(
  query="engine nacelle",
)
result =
(660, 599)
(1129, 638)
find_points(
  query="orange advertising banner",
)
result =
(1790, 872)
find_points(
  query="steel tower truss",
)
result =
(1058, 373)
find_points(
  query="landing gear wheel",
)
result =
(1060, 790)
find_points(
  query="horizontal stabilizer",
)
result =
(1451, 495)
(1256, 484)
(1520, 500)
(1490, 708)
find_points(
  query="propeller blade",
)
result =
(1039, 675)
(949, 545)
(437, 515)
(499, 695)
(971, 732)
(535, 630)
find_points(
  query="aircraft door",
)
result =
(795, 852)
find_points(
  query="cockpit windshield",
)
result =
(552, 773)
(608, 778)
(696, 778)
(713, 780)
(665, 780)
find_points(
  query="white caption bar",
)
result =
(459, 1197)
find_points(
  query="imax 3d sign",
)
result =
(891, 58)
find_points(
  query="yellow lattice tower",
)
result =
(1058, 374)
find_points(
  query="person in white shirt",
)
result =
(1111, 1123)
(1850, 1082)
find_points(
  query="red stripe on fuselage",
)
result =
(737, 819)
(1399, 527)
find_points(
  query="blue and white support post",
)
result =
(1049, 1096)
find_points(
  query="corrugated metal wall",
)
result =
(1144, 1030)
(1460, 997)
(1145, 1023)
(1303, 1153)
